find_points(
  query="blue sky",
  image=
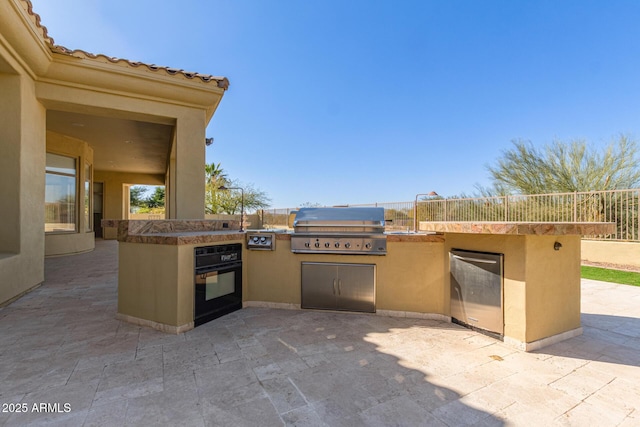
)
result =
(337, 102)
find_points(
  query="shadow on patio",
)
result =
(610, 338)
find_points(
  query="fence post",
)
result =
(506, 208)
(415, 215)
(575, 206)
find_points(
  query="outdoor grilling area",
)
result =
(340, 259)
(408, 314)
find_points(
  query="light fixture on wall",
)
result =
(222, 187)
(557, 246)
(208, 141)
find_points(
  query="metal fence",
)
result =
(275, 218)
(621, 207)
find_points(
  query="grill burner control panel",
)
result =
(339, 245)
(261, 241)
(349, 230)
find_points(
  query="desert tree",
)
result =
(229, 201)
(563, 167)
(569, 167)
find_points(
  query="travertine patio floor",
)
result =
(264, 367)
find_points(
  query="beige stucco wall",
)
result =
(148, 285)
(550, 302)
(22, 165)
(273, 276)
(621, 253)
(409, 277)
(186, 198)
(553, 286)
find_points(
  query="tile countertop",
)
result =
(521, 228)
(176, 231)
(185, 232)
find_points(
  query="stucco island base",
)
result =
(541, 294)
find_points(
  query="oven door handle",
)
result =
(483, 261)
(217, 268)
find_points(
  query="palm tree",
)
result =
(215, 177)
(214, 174)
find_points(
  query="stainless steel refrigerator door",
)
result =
(477, 289)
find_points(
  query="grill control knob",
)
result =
(307, 244)
(326, 245)
(255, 239)
(337, 245)
(317, 244)
(263, 239)
(368, 246)
(347, 245)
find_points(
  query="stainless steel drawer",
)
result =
(477, 289)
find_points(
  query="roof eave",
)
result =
(103, 75)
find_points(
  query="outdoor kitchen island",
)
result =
(541, 273)
(541, 283)
(156, 268)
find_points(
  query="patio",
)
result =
(61, 344)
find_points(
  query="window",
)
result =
(60, 194)
(88, 220)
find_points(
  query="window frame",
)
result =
(75, 176)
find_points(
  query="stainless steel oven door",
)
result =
(217, 292)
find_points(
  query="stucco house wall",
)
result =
(22, 163)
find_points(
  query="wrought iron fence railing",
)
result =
(621, 207)
(275, 218)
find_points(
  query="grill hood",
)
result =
(351, 230)
(339, 220)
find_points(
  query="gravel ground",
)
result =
(612, 266)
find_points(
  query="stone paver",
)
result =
(66, 361)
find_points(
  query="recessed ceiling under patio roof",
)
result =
(119, 145)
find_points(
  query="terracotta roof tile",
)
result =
(221, 82)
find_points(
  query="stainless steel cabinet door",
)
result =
(333, 286)
(319, 285)
(356, 287)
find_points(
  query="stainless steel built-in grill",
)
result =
(339, 231)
